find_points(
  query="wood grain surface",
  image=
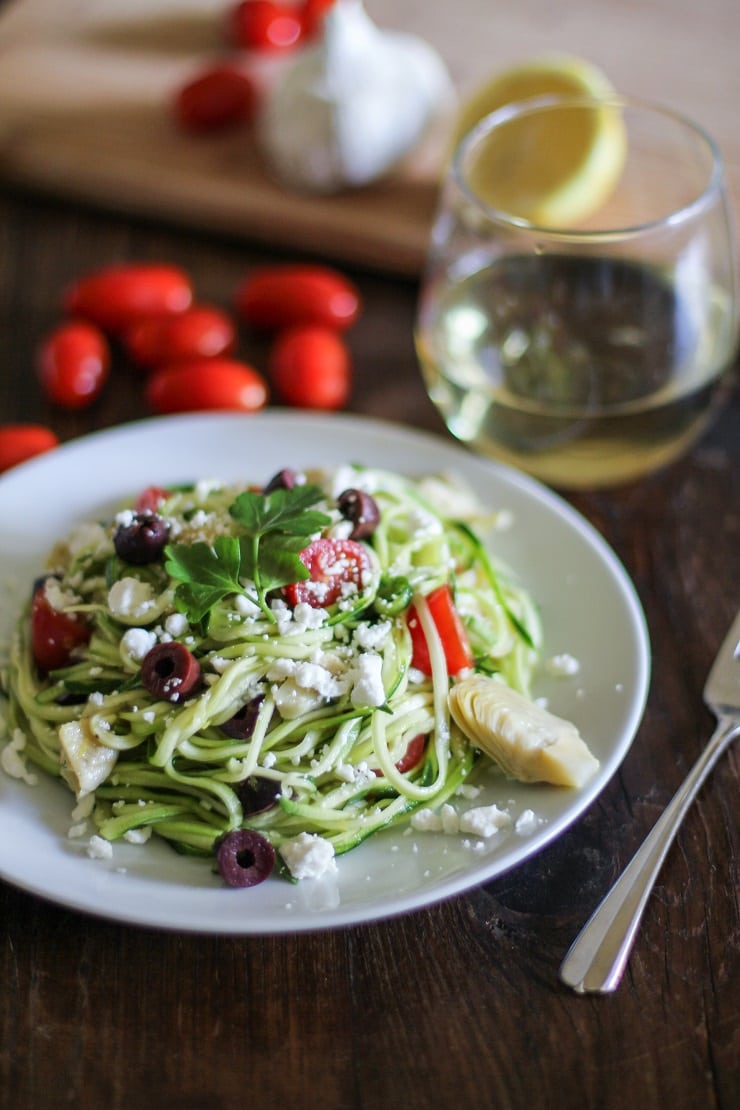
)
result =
(85, 87)
(458, 1005)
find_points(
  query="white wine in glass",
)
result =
(593, 351)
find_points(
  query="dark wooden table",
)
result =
(457, 1005)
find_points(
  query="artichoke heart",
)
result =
(529, 743)
(86, 762)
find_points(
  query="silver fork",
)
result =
(597, 958)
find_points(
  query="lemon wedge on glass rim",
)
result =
(553, 168)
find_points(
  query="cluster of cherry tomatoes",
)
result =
(185, 349)
(223, 94)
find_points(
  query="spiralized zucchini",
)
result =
(336, 745)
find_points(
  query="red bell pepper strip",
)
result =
(451, 632)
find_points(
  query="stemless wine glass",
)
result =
(579, 324)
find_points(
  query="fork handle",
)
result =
(598, 956)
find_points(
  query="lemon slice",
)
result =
(554, 168)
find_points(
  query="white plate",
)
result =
(589, 609)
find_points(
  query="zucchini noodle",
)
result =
(347, 728)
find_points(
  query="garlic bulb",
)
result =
(349, 109)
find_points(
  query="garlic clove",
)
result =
(529, 743)
(349, 109)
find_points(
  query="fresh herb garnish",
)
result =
(206, 573)
(274, 529)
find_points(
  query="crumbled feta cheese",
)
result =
(200, 520)
(206, 486)
(312, 676)
(307, 616)
(58, 598)
(450, 819)
(484, 821)
(308, 856)
(348, 477)
(562, 665)
(304, 685)
(476, 846)
(368, 680)
(12, 761)
(292, 701)
(372, 637)
(283, 615)
(357, 774)
(98, 848)
(220, 664)
(130, 598)
(426, 820)
(176, 624)
(138, 836)
(467, 790)
(280, 669)
(245, 607)
(138, 642)
(302, 618)
(527, 822)
(342, 530)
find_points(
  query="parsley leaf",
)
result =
(277, 528)
(273, 531)
(205, 574)
(286, 511)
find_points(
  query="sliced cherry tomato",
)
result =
(72, 364)
(211, 383)
(216, 99)
(451, 631)
(19, 442)
(310, 368)
(413, 755)
(264, 25)
(337, 568)
(312, 16)
(150, 499)
(54, 635)
(201, 331)
(275, 297)
(115, 296)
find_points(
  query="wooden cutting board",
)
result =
(85, 87)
